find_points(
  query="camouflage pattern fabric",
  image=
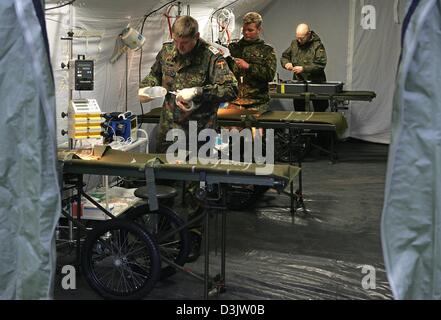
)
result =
(263, 63)
(203, 67)
(311, 56)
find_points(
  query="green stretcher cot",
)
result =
(298, 123)
(305, 121)
(119, 163)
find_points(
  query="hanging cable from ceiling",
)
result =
(142, 29)
(60, 6)
(216, 11)
(226, 23)
(170, 16)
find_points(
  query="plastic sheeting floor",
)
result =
(332, 252)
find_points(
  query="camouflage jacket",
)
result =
(253, 83)
(311, 56)
(203, 67)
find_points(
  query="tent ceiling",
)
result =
(136, 8)
(356, 56)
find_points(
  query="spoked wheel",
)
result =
(244, 197)
(170, 235)
(120, 260)
(300, 146)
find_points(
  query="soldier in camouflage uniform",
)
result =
(254, 64)
(306, 57)
(198, 73)
(201, 79)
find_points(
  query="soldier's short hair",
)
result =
(185, 27)
(253, 17)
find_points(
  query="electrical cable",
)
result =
(119, 141)
(215, 11)
(114, 133)
(142, 29)
(140, 54)
(60, 6)
(147, 141)
(224, 19)
(143, 131)
(169, 17)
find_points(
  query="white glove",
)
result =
(187, 94)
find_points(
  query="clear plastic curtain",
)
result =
(29, 190)
(411, 221)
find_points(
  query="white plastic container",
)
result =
(132, 38)
(156, 94)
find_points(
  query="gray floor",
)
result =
(318, 255)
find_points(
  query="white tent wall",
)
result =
(57, 24)
(363, 59)
(375, 62)
(329, 19)
(109, 18)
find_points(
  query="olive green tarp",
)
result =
(334, 120)
(120, 163)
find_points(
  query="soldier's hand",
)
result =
(185, 106)
(241, 63)
(143, 97)
(187, 94)
(297, 69)
(289, 66)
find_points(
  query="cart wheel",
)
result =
(175, 246)
(120, 260)
(300, 147)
